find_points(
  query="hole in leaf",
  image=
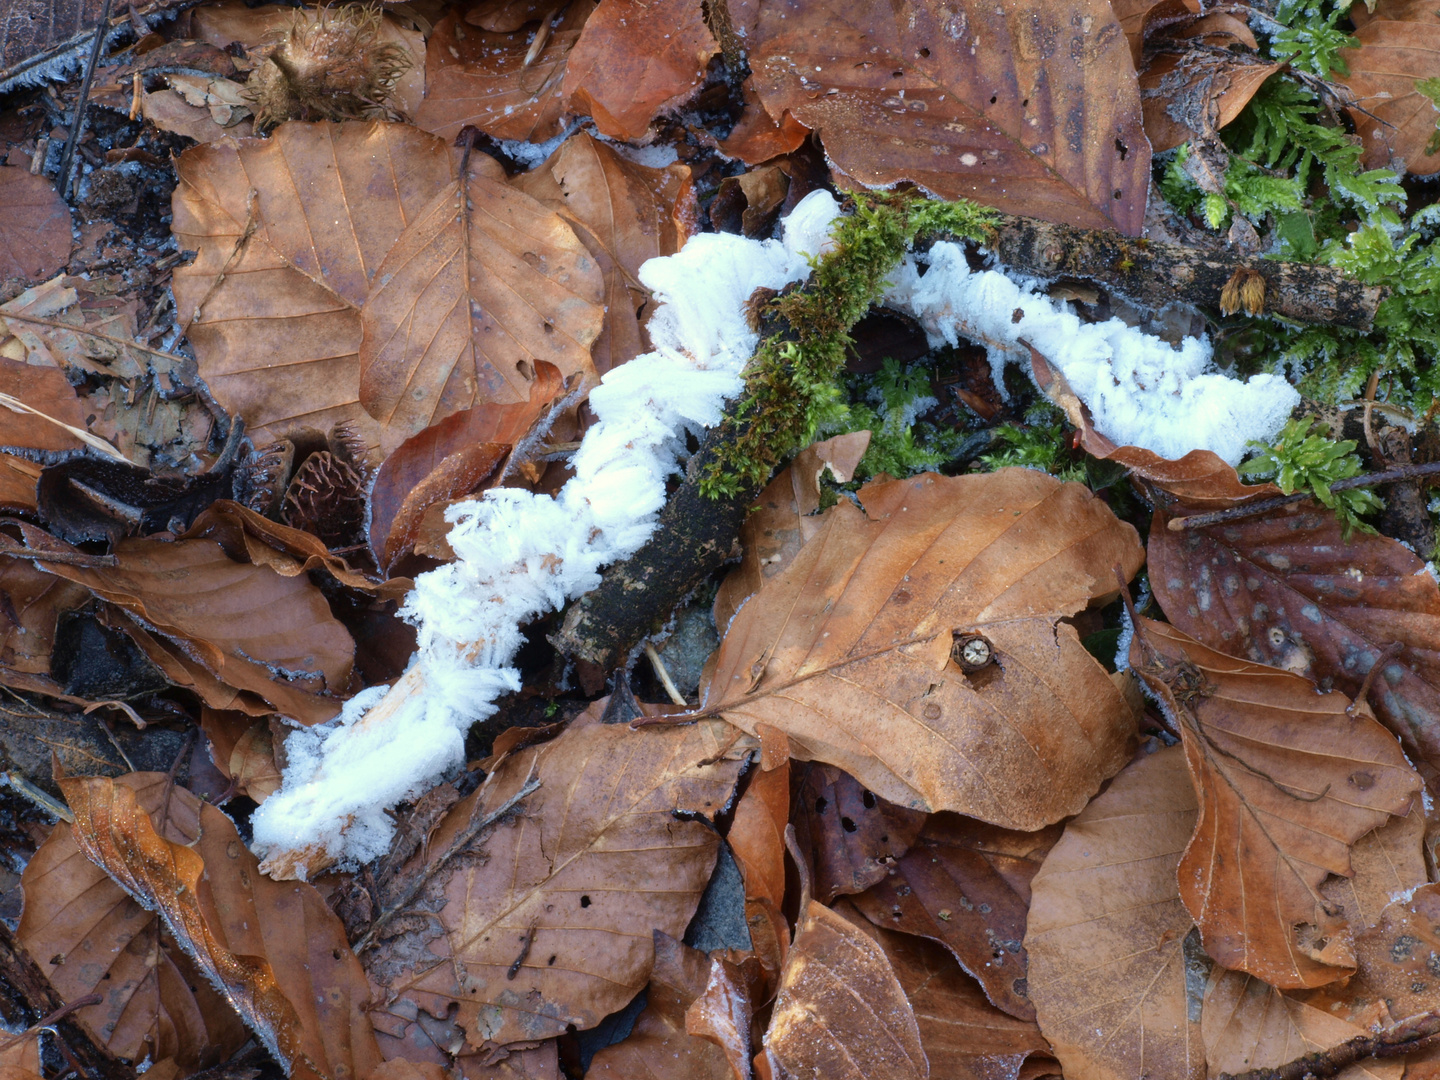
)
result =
(1121, 149)
(924, 54)
(847, 824)
(820, 804)
(584, 901)
(994, 98)
(869, 800)
(550, 962)
(1117, 193)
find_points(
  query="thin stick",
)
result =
(1390, 652)
(59, 558)
(55, 1017)
(1389, 476)
(664, 676)
(28, 791)
(1402, 1038)
(77, 122)
(471, 832)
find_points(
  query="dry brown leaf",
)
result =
(624, 214)
(966, 885)
(276, 950)
(1107, 935)
(724, 1014)
(168, 111)
(482, 284)
(784, 518)
(757, 833)
(17, 482)
(1029, 107)
(89, 937)
(1399, 956)
(478, 78)
(1249, 1025)
(249, 626)
(34, 600)
(1138, 17)
(1388, 862)
(554, 925)
(756, 137)
(635, 61)
(964, 1036)
(659, 1045)
(1286, 781)
(1399, 45)
(34, 222)
(277, 334)
(46, 390)
(848, 651)
(252, 764)
(1288, 589)
(841, 1012)
(1197, 93)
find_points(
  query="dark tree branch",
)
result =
(1264, 506)
(1403, 1038)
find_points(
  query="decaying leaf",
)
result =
(1287, 589)
(855, 650)
(724, 1013)
(35, 601)
(89, 936)
(1387, 862)
(841, 1013)
(1197, 93)
(624, 214)
(1287, 779)
(34, 221)
(966, 885)
(275, 949)
(49, 393)
(1399, 956)
(482, 283)
(757, 833)
(1107, 936)
(548, 919)
(756, 137)
(1028, 107)
(1249, 1025)
(636, 60)
(1398, 48)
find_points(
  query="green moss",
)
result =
(1040, 443)
(793, 384)
(1305, 460)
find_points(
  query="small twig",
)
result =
(1403, 1038)
(28, 791)
(1389, 476)
(110, 734)
(122, 706)
(1390, 652)
(230, 449)
(525, 942)
(59, 558)
(473, 830)
(664, 676)
(77, 122)
(56, 1016)
(252, 223)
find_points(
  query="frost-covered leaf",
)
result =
(1399, 956)
(1287, 779)
(1029, 107)
(1107, 931)
(855, 650)
(1399, 47)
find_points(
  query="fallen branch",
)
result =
(1156, 274)
(1264, 506)
(1403, 1038)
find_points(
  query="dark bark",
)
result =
(1404, 1038)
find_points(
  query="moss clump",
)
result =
(792, 384)
(1305, 460)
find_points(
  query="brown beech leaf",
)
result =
(1029, 107)
(784, 518)
(624, 214)
(724, 1013)
(34, 600)
(483, 283)
(635, 61)
(1399, 956)
(1287, 589)
(449, 459)
(1387, 861)
(756, 137)
(272, 302)
(479, 78)
(966, 885)
(1138, 17)
(47, 391)
(841, 1013)
(1249, 1025)
(853, 836)
(242, 622)
(1286, 781)
(964, 1036)
(854, 651)
(658, 1045)
(553, 924)
(275, 949)
(89, 936)
(757, 833)
(1107, 934)
(34, 222)
(1399, 45)
(1197, 93)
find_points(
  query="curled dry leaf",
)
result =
(841, 1013)
(89, 937)
(659, 1044)
(1029, 107)
(34, 223)
(1287, 589)
(480, 78)
(855, 650)
(1387, 862)
(624, 214)
(1249, 1025)
(1399, 956)
(635, 61)
(1109, 941)
(1287, 779)
(1197, 93)
(1397, 48)
(966, 885)
(275, 950)
(547, 920)
(35, 601)
(1138, 17)
(482, 284)
(964, 1036)
(757, 833)
(756, 137)
(272, 302)
(724, 1014)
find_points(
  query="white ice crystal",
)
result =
(1141, 390)
(519, 555)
